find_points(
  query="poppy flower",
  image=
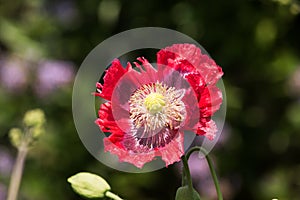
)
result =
(149, 107)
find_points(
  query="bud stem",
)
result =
(112, 196)
(211, 168)
(186, 176)
(17, 173)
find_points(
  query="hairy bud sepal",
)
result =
(183, 193)
(89, 185)
(15, 136)
(35, 118)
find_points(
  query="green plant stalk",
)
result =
(112, 196)
(183, 178)
(186, 175)
(211, 168)
(17, 173)
(215, 178)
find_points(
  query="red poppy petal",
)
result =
(197, 82)
(170, 153)
(178, 52)
(148, 69)
(188, 58)
(106, 121)
(210, 71)
(137, 159)
(173, 151)
(112, 76)
(116, 138)
(210, 101)
(207, 127)
(140, 151)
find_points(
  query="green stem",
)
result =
(187, 175)
(112, 196)
(183, 178)
(17, 173)
(211, 168)
(215, 178)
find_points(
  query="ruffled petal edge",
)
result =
(170, 153)
(110, 79)
(188, 58)
(206, 127)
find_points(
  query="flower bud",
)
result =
(36, 132)
(34, 117)
(183, 193)
(89, 185)
(15, 135)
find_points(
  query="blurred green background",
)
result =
(257, 43)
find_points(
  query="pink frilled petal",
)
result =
(138, 156)
(172, 152)
(133, 79)
(202, 73)
(210, 101)
(112, 76)
(187, 58)
(206, 127)
(147, 73)
(209, 96)
(106, 121)
(210, 71)
(148, 68)
(137, 159)
(197, 82)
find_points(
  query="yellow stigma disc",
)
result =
(154, 102)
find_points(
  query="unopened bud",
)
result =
(34, 117)
(183, 193)
(37, 131)
(15, 135)
(89, 185)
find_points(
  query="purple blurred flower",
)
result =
(52, 74)
(2, 192)
(203, 181)
(13, 75)
(66, 12)
(6, 162)
(198, 167)
(200, 173)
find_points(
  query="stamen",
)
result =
(156, 112)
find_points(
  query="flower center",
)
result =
(154, 102)
(156, 112)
